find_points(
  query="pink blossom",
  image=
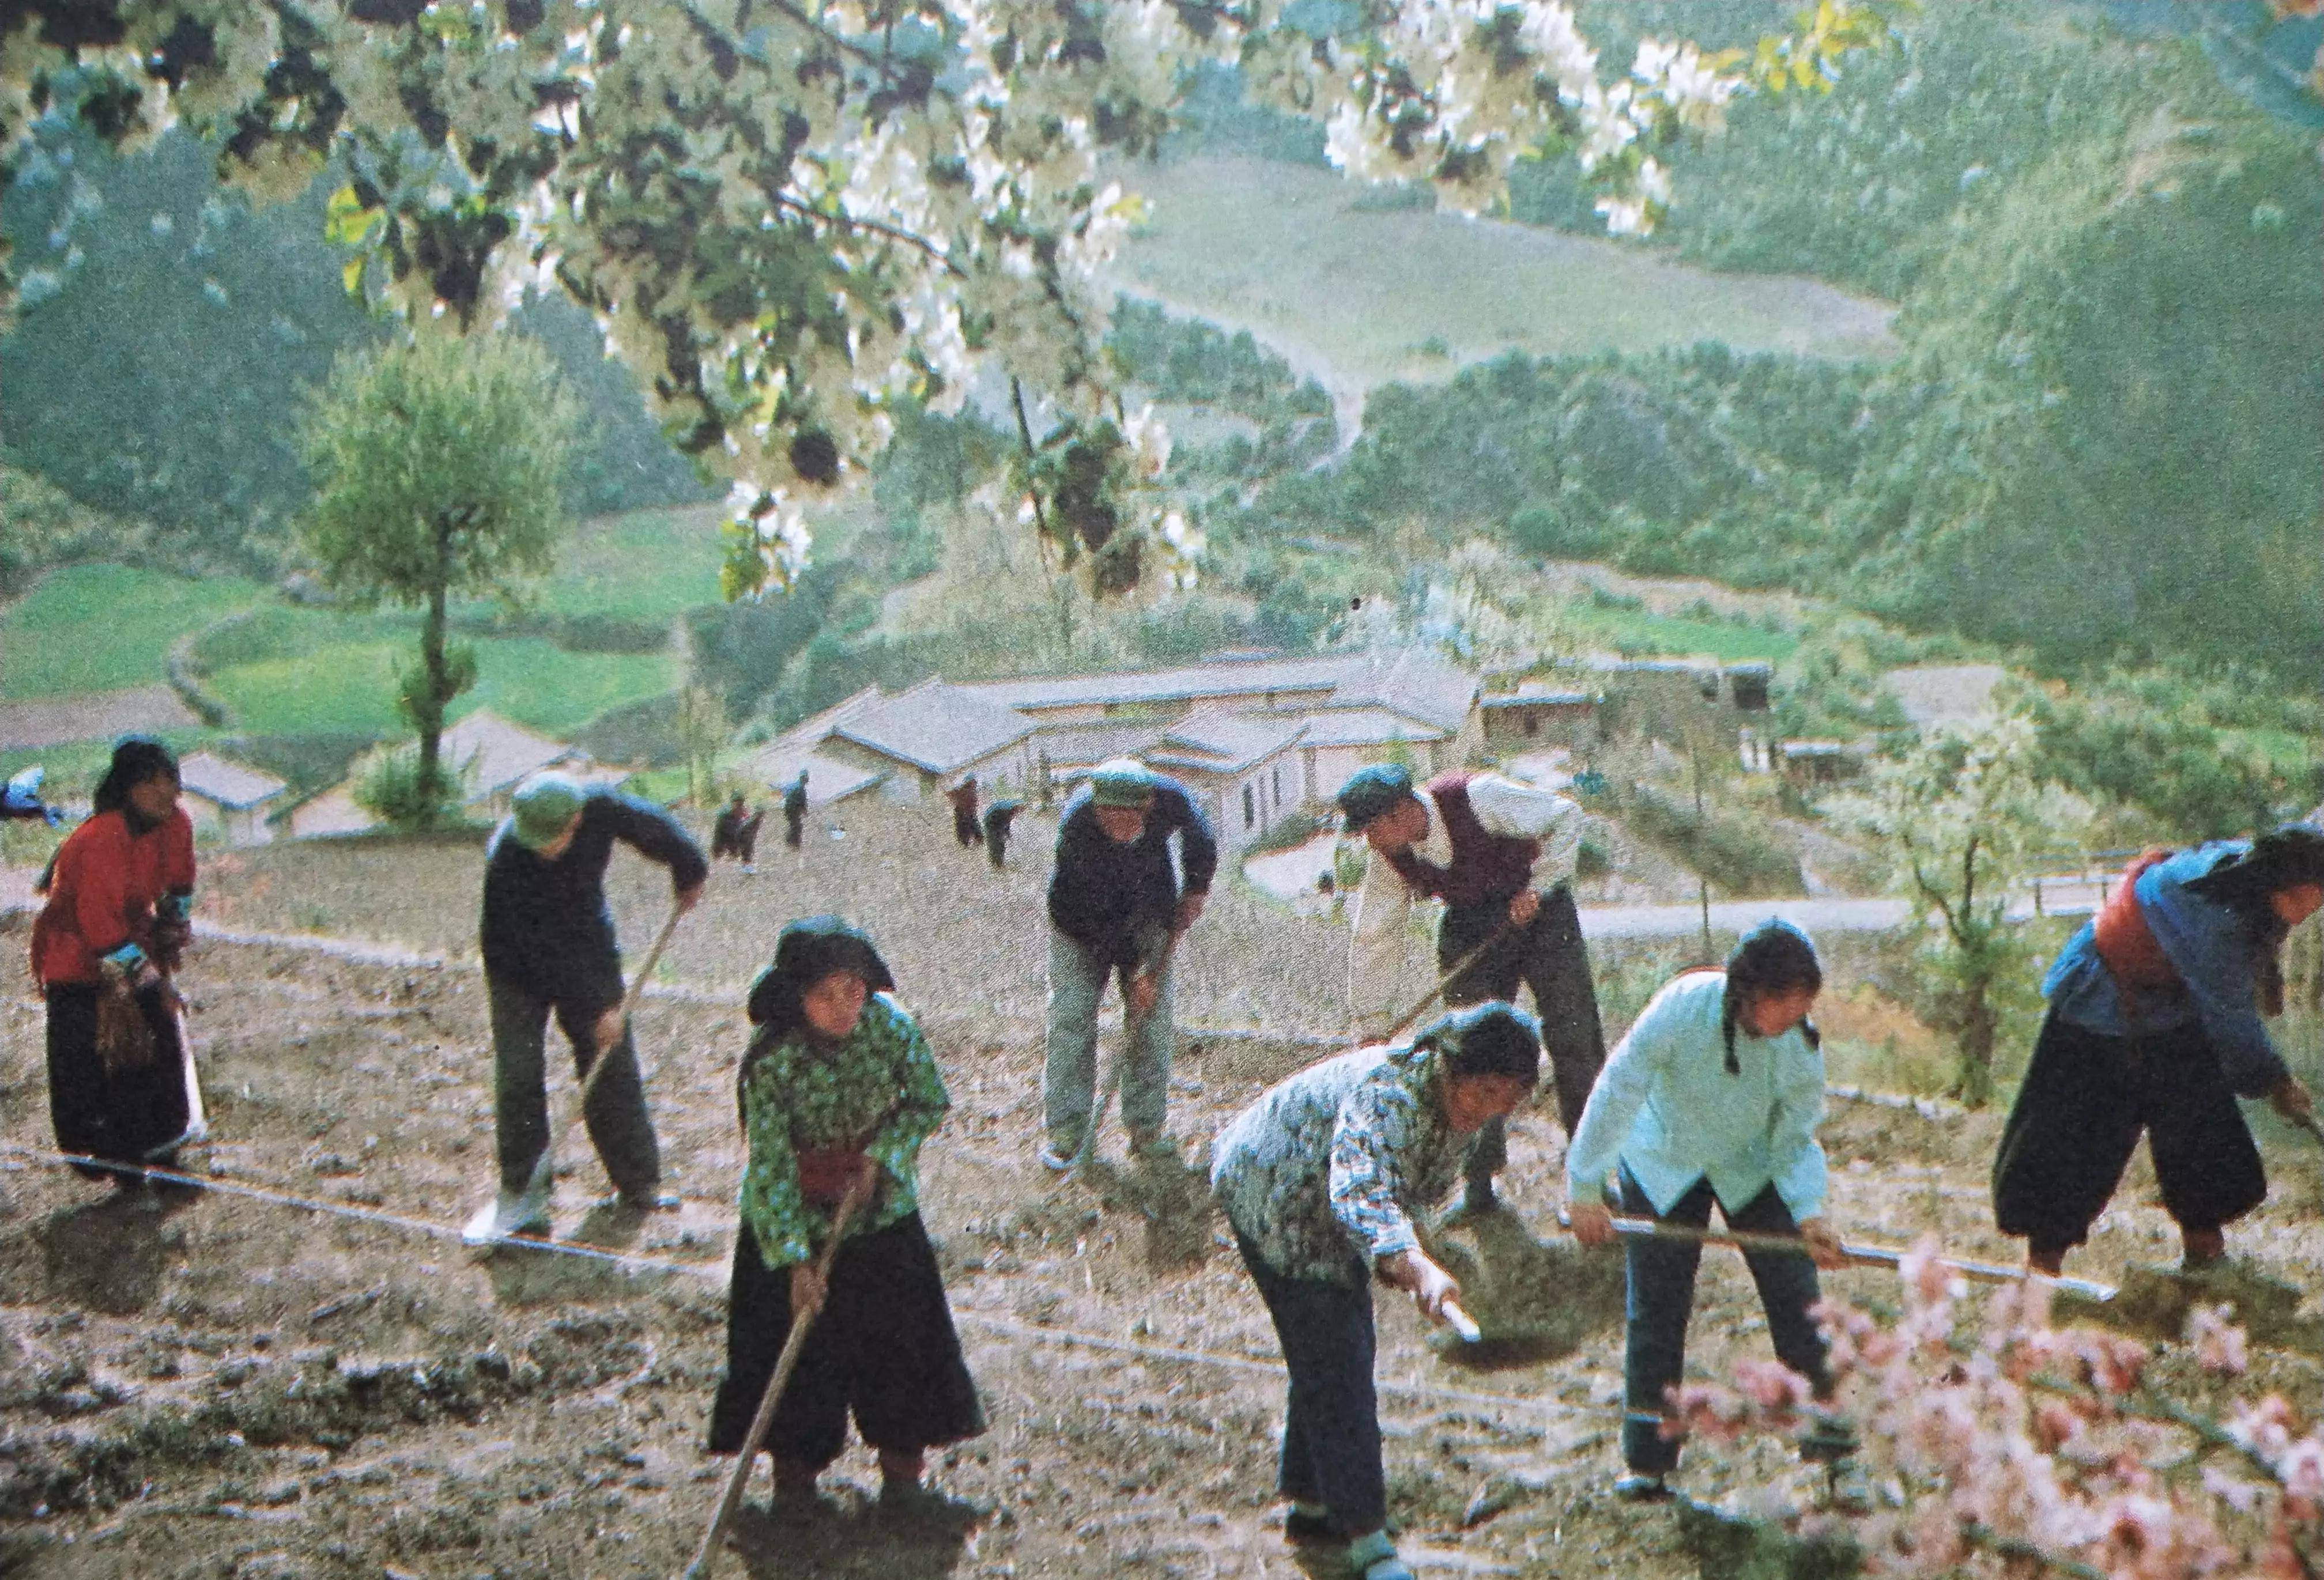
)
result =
(1772, 1386)
(2218, 1344)
(2300, 1468)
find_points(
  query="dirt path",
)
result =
(93, 716)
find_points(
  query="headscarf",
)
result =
(806, 951)
(1485, 1039)
(136, 760)
(2282, 857)
(1772, 958)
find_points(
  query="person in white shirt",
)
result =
(1500, 856)
(1713, 1098)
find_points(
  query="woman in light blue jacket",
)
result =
(1713, 1098)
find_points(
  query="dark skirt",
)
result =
(2077, 1116)
(883, 1347)
(128, 1116)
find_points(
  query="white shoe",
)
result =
(510, 1213)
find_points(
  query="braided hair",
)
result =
(1774, 957)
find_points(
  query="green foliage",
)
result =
(440, 466)
(392, 784)
(46, 528)
(1958, 818)
(1733, 852)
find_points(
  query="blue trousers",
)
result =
(1661, 1298)
(1331, 1419)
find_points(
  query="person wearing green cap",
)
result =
(1117, 908)
(1500, 856)
(548, 946)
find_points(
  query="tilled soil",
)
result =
(208, 1384)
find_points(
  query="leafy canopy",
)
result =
(439, 466)
(795, 218)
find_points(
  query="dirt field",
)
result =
(218, 1386)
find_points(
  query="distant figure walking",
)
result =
(120, 896)
(735, 835)
(997, 819)
(548, 945)
(794, 810)
(963, 797)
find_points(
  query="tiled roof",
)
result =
(1083, 746)
(1232, 677)
(495, 754)
(818, 726)
(1364, 727)
(230, 785)
(1534, 691)
(1236, 741)
(936, 728)
(1413, 682)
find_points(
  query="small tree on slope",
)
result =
(439, 467)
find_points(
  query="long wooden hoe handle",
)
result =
(1453, 973)
(630, 1001)
(785, 1365)
(1862, 1255)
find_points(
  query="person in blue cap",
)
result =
(1500, 856)
(1117, 909)
(549, 947)
(2154, 1026)
(1712, 1099)
(1322, 1180)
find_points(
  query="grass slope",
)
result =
(102, 627)
(1307, 262)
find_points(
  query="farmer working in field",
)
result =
(794, 810)
(736, 833)
(548, 944)
(120, 896)
(965, 830)
(2153, 1025)
(1713, 1099)
(1115, 908)
(1501, 855)
(1322, 1178)
(838, 1091)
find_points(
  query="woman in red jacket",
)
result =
(120, 893)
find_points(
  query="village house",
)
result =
(1538, 714)
(928, 739)
(1242, 769)
(228, 799)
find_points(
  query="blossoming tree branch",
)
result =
(788, 217)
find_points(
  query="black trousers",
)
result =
(1549, 957)
(791, 823)
(2085, 1099)
(1661, 1299)
(964, 828)
(883, 1347)
(128, 1116)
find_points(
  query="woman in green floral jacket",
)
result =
(839, 1090)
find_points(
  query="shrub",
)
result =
(390, 785)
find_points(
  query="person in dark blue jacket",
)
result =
(2154, 1024)
(1117, 908)
(548, 945)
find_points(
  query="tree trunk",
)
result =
(1978, 1029)
(435, 686)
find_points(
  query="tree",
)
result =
(792, 218)
(440, 468)
(1959, 816)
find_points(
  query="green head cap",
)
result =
(543, 805)
(1122, 782)
(1371, 791)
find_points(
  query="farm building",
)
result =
(1537, 715)
(1241, 768)
(1818, 762)
(1338, 742)
(928, 738)
(228, 798)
